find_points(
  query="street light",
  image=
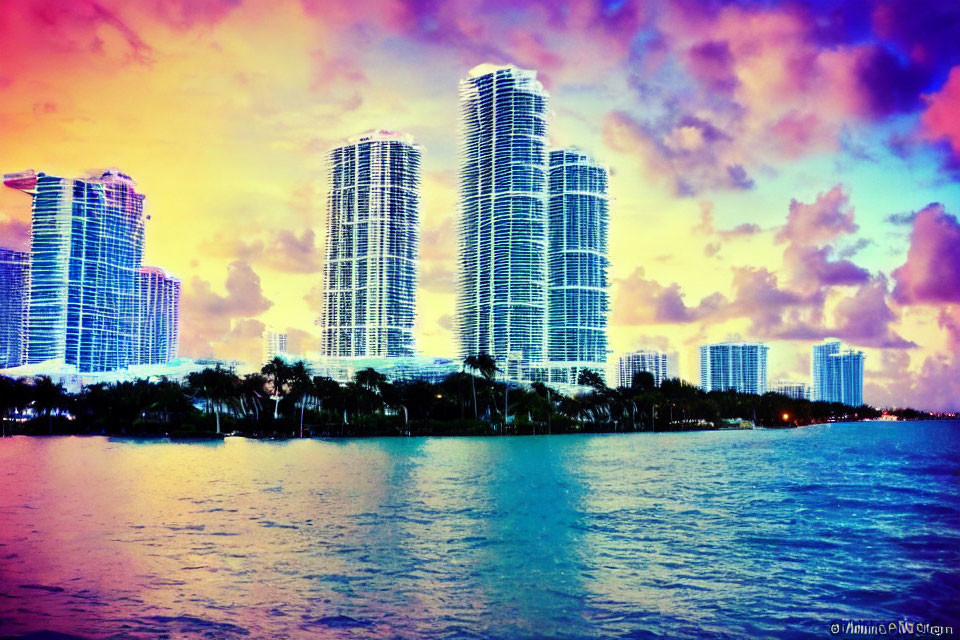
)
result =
(786, 417)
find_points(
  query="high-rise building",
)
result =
(373, 242)
(14, 281)
(158, 326)
(274, 344)
(837, 374)
(737, 366)
(791, 389)
(653, 362)
(502, 297)
(86, 247)
(577, 297)
(825, 387)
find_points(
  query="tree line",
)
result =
(285, 400)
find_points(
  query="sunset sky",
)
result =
(782, 171)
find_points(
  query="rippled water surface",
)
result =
(713, 534)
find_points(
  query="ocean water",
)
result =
(738, 534)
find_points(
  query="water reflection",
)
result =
(757, 534)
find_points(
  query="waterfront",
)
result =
(731, 534)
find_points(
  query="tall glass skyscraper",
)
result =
(737, 366)
(158, 326)
(274, 344)
(373, 241)
(837, 374)
(653, 362)
(85, 255)
(14, 281)
(502, 297)
(578, 301)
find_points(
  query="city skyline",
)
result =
(735, 214)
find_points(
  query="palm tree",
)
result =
(301, 386)
(326, 389)
(486, 366)
(47, 397)
(473, 364)
(251, 391)
(278, 373)
(217, 386)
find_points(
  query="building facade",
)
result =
(837, 374)
(14, 283)
(158, 326)
(791, 389)
(86, 248)
(736, 366)
(653, 362)
(577, 264)
(502, 228)
(373, 242)
(274, 345)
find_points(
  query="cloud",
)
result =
(931, 274)
(933, 386)
(282, 250)
(865, 318)
(707, 225)
(437, 277)
(827, 218)
(688, 151)
(15, 234)
(641, 301)
(208, 317)
(941, 119)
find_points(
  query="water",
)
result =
(713, 534)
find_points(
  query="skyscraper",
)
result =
(825, 386)
(632, 363)
(791, 389)
(274, 344)
(502, 297)
(14, 280)
(837, 374)
(577, 262)
(737, 366)
(158, 326)
(370, 271)
(86, 247)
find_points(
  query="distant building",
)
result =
(86, 248)
(14, 283)
(404, 368)
(274, 345)
(791, 389)
(653, 362)
(837, 374)
(158, 326)
(502, 286)
(578, 301)
(372, 250)
(737, 366)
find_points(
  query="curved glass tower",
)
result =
(370, 270)
(502, 297)
(158, 327)
(86, 248)
(14, 281)
(577, 266)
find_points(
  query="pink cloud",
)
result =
(931, 273)
(641, 301)
(941, 120)
(208, 317)
(865, 317)
(827, 218)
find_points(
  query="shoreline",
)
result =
(198, 438)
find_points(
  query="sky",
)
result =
(780, 171)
